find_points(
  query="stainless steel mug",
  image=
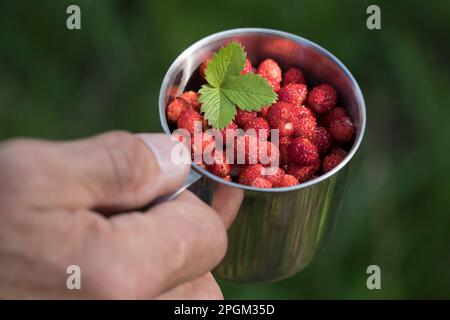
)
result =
(277, 232)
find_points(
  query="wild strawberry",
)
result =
(175, 108)
(337, 112)
(242, 117)
(305, 127)
(342, 129)
(287, 181)
(220, 166)
(283, 146)
(333, 159)
(247, 67)
(246, 149)
(263, 112)
(293, 75)
(283, 116)
(294, 93)
(250, 173)
(191, 98)
(261, 127)
(203, 67)
(261, 182)
(268, 154)
(201, 143)
(270, 70)
(227, 178)
(229, 132)
(190, 120)
(304, 111)
(322, 139)
(274, 175)
(302, 172)
(322, 98)
(302, 151)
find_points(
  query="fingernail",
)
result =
(173, 157)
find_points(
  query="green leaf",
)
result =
(228, 62)
(218, 109)
(249, 92)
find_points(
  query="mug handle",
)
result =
(192, 178)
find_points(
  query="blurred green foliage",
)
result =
(61, 84)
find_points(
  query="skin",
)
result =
(65, 203)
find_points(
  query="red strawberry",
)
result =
(263, 112)
(261, 182)
(287, 181)
(304, 173)
(229, 132)
(175, 108)
(227, 178)
(322, 98)
(342, 129)
(274, 175)
(304, 111)
(261, 127)
(337, 112)
(191, 98)
(302, 151)
(293, 75)
(305, 127)
(322, 139)
(247, 67)
(220, 166)
(246, 150)
(203, 67)
(201, 144)
(283, 116)
(270, 70)
(333, 159)
(242, 117)
(294, 93)
(268, 154)
(250, 173)
(190, 120)
(284, 143)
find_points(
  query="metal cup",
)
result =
(277, 232)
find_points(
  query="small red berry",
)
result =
(304, 173)
(302, 151)
(229, 132)
(263, 112)
(191, 98)
(261, 182)
(283, 146)
(227, 178)
(322, 98)
(337, 112)
(250, 173)
(333, 159)
(287, 181)
(274, 175)
(220, 166)
(270, 70)
(261, 127)
(175, 108)
(202, 142)
(305, 127)
(268, 154)
(322, 139)
(283, 116)
(242, 117)
(190, 120)
(246, 150)
(293, 75)
(247, 67)
(342, 129)
(304, 111)
(294, 93)
(203, 67)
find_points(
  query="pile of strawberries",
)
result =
(314, 130)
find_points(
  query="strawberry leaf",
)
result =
(218, 109)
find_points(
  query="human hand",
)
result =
(64, 203)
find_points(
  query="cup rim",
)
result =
(281, 34)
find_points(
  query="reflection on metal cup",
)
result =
(277, 232)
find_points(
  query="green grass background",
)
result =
(61, 84)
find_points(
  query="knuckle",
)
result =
(124, 153)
